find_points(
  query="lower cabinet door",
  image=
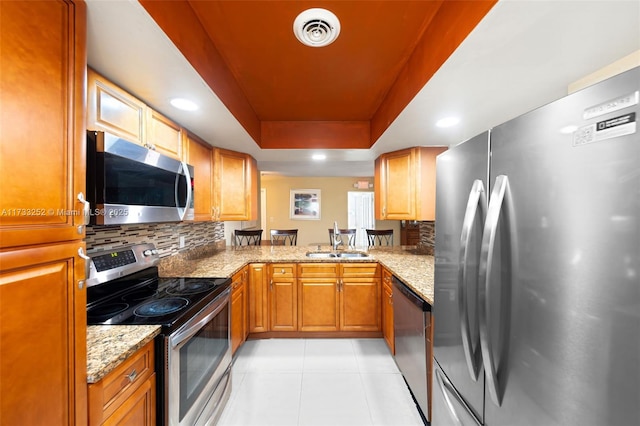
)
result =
(126, 395)
(258, 298)
(42, 335)
(360, 304)
(284, 303)
(139, 409)
(318, 304)
(387, 317)
(238, 314)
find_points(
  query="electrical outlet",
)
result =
(182, 241)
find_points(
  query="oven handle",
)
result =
(194, 325)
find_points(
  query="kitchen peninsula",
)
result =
(275, 292)
(415, 270)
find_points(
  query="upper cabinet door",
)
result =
(163, 135)
(199, 155)
(398, 185)
(405, 184)
(235, 186)
(42, 151)
(111, 109)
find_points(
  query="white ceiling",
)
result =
(523, 55)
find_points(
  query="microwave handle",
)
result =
(185, 169)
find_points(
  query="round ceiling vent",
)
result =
(316, 27)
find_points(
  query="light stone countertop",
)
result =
(108, 346)
(415, 270)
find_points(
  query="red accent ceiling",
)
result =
(345, 95)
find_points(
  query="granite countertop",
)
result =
(108, 346)
(415, 270)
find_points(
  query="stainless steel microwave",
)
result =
(128, 183)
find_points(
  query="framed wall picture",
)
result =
(305, 204)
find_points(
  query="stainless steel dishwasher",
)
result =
(411, 317)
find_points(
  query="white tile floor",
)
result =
(325, 382)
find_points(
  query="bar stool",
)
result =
(350, 233)
(248, 237)
(380, 237)
(280, 237)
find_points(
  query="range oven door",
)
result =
(197, 368)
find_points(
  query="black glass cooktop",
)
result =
(144, 298)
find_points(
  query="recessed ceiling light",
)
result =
(316, 27)
(184, 104)
(447, 122)
(319, 157)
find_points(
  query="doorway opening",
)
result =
(360, 207)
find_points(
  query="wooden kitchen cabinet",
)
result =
(235, 186)
(258, 298)
(409, 233)
(43, 349)
(127, 395)
(387, 310)
(42, 159)
(429, 356)
(318, 298)
(339, 297)
(405, 184)
(112, 109)
(164, 135)
(273, 299)
(283, 297)
(360, 294)
(43, 365)
(200, 156)
(239, 305)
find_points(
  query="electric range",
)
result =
(193, 350)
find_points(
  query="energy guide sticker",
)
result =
(606, 129)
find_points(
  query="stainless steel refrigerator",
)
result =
(537, 269)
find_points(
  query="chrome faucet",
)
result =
(336, 236)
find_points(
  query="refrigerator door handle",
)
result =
(500, 209)
(448, 391)
(476, 204)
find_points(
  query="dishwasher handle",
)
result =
(411, 295)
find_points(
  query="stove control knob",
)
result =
(147, 253)
(154, 251)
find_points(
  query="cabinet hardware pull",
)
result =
(271, 283)
(132, 376)
(86, 209)
(87, 262)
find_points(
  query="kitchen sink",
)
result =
(321, 254)
(352, 254)
(341, 254)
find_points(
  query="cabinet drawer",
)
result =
(386, 278)
(114, 389)
(368, 270)
(330, 270)
(283, 270)
(237, 280)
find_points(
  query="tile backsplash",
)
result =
(428, 233)
(165, 236)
